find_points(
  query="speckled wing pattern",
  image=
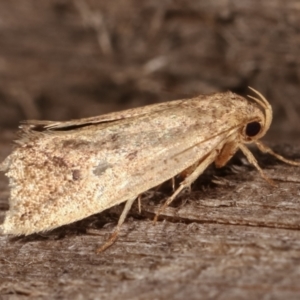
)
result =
(61, 172)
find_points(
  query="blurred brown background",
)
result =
(234, 236)
(64, 59)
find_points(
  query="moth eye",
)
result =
(252, 129)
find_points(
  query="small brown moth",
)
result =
(61, 172)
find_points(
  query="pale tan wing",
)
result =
(30, 129)
(64, 176)
(106, 118)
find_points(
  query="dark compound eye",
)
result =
(252, 129)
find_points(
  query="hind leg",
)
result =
(115, 234)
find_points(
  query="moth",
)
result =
(61, 172)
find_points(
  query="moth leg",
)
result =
(186, 183)
(121, 220)
(140, 203)
(173, 184)
(265, 149)
(228, 150)
(253, 161)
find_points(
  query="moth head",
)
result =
(256, 129)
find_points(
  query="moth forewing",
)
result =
(61, 172)
(82, 182)
(102, 119)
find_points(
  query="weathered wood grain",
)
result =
(238, 239)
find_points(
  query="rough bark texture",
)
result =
(233, 236)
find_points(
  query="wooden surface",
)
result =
(233, 237)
